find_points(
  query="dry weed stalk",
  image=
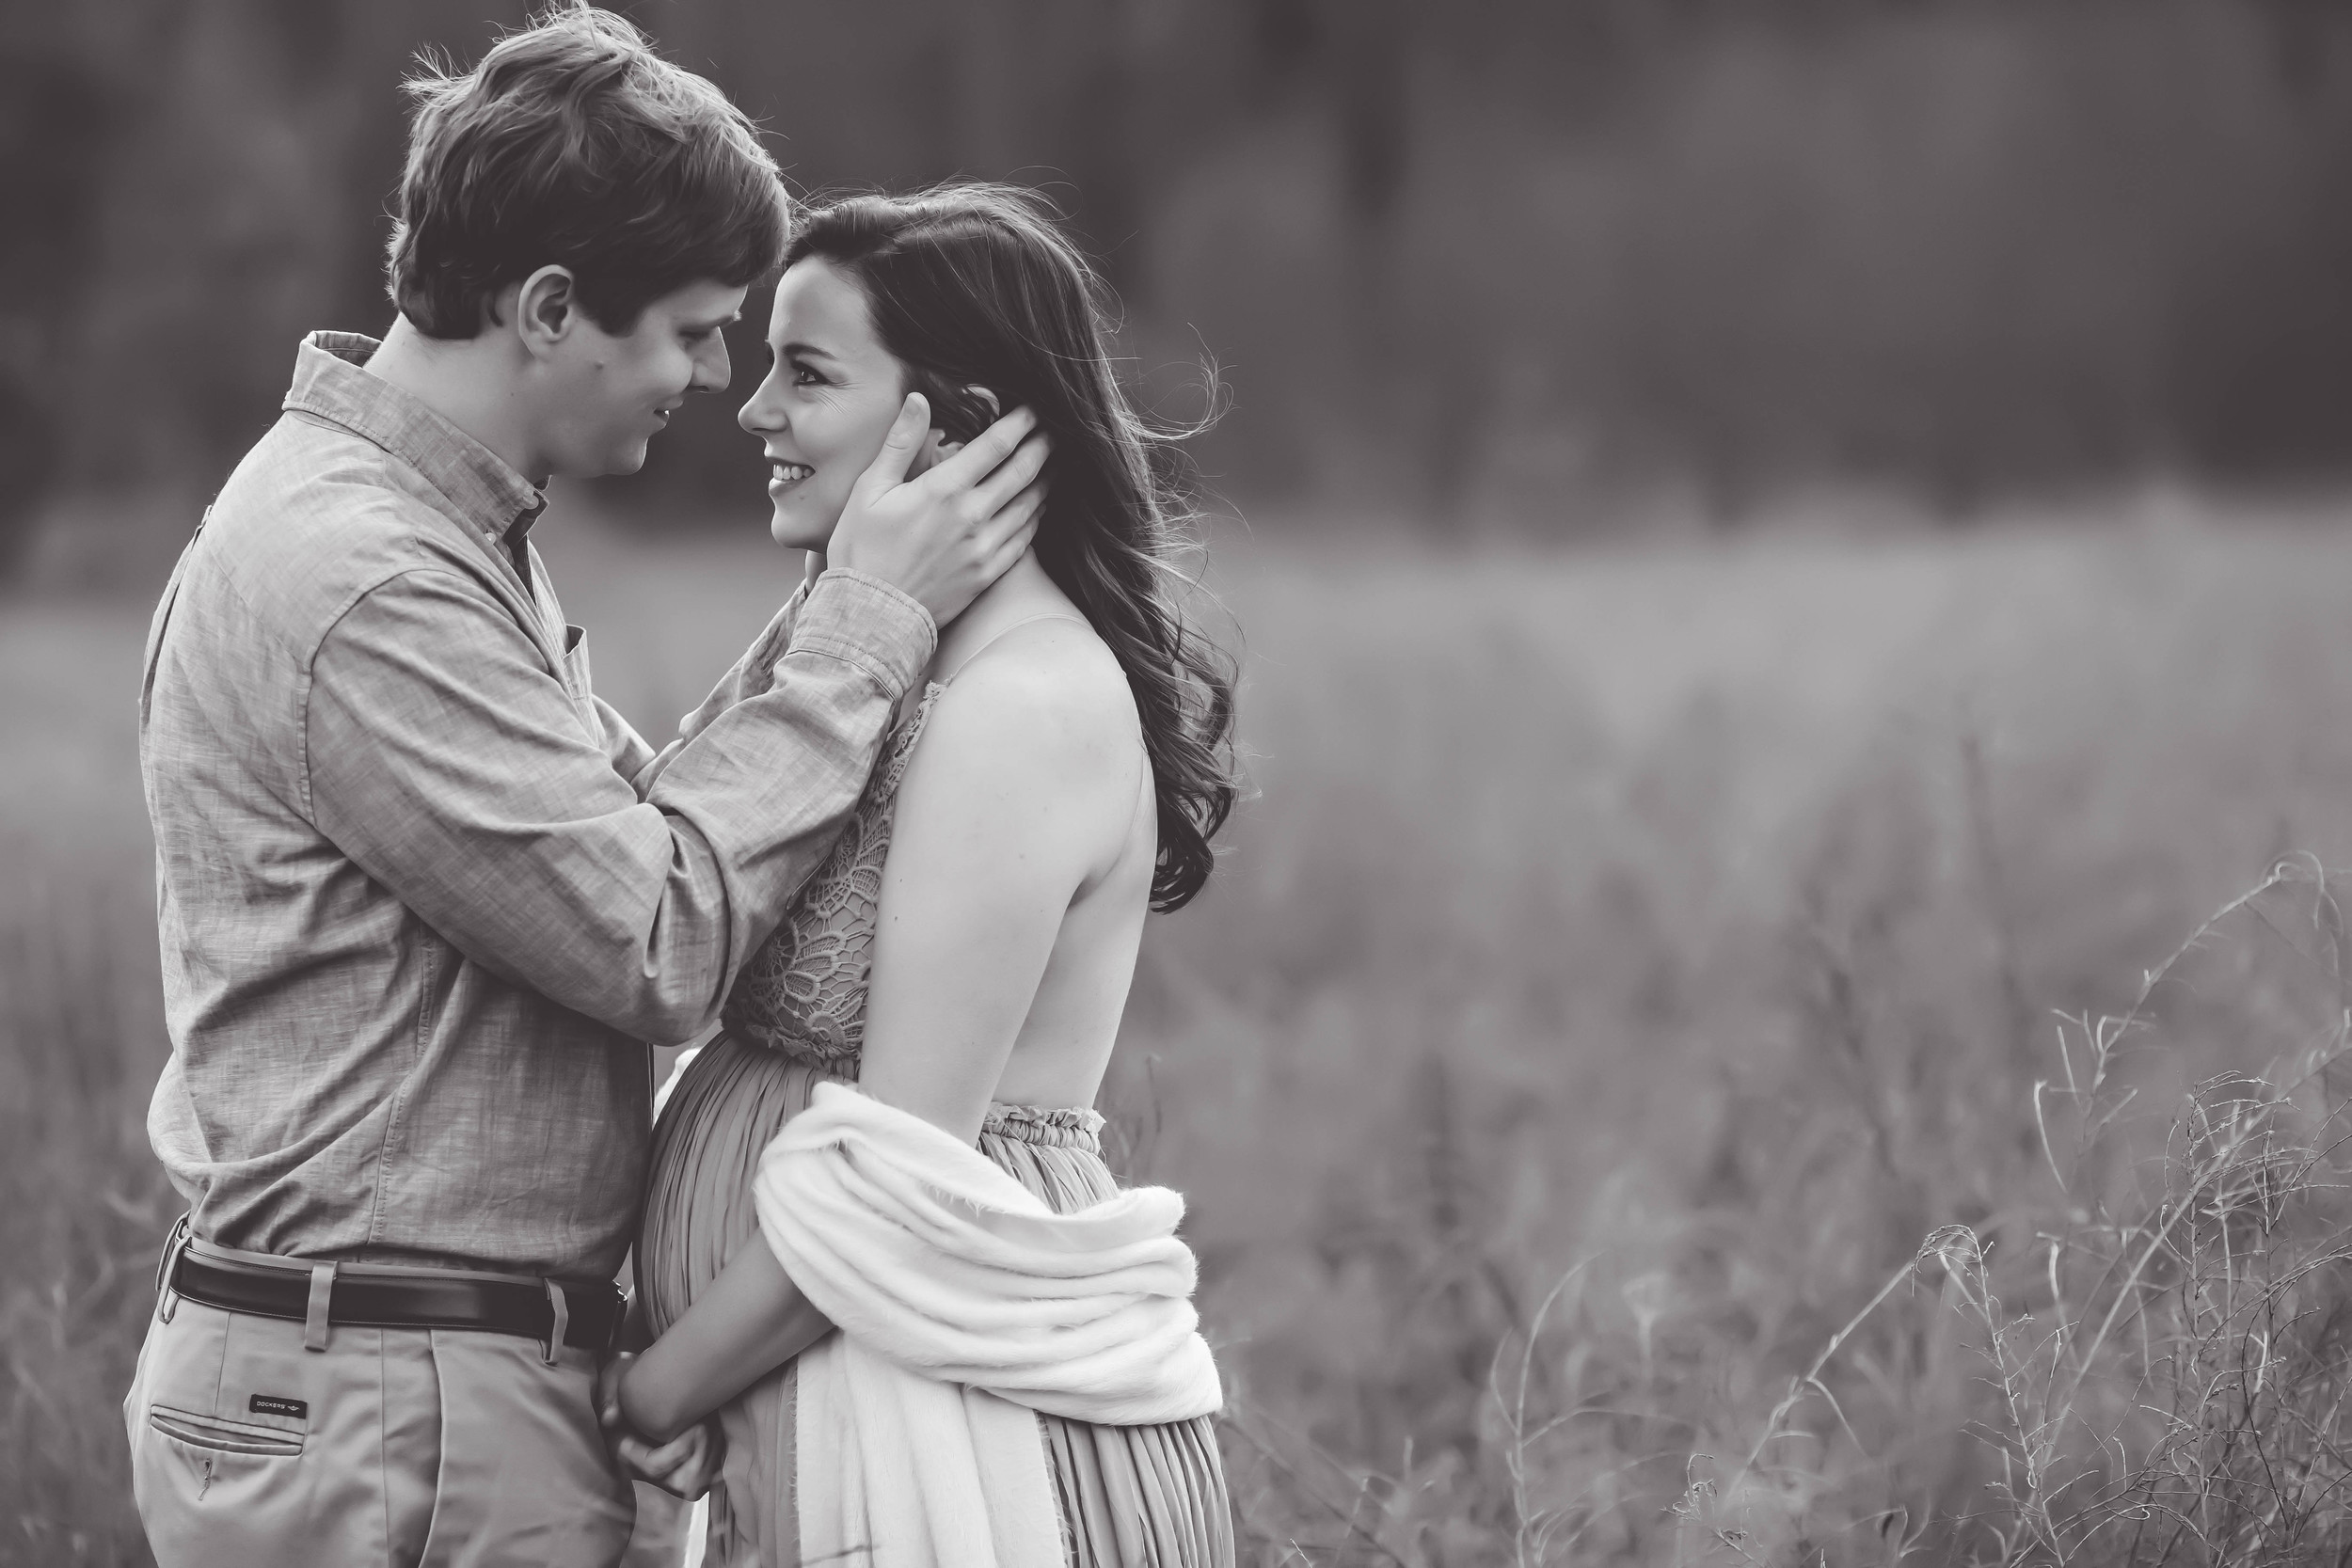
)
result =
(2180, 1396)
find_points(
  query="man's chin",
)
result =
(624, 461)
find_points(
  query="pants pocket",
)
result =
(223, 1436)
(212, 1493)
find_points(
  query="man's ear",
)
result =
(545, 310)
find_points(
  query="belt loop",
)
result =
(314, 1321)
(168, 1299)
(560, 1319)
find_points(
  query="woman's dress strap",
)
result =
(965, 662)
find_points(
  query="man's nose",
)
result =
(712, 371)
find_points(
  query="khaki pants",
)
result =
(403, 1446)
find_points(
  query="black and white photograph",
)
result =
(1176, 783)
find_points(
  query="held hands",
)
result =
(947, 533)
(685, 1467)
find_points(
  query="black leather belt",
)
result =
(587, 1316)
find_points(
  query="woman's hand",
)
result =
(685, 1467)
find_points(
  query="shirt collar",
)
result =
(489, 497)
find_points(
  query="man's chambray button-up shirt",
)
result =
(420, 906)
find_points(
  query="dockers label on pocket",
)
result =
(270, 1405)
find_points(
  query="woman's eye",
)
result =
(803, 376)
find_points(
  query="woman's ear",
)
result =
(935, 446)
(995, 409)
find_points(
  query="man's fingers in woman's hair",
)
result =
(983, 453)
(1014, 526)
(1017, 518)
(1015, 474)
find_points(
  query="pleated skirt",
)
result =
(1130, 1497)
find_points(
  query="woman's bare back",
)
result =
(1022, 852)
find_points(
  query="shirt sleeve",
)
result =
(630, 754)
(452, 766)
(753, 672)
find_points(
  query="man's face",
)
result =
(607, 393)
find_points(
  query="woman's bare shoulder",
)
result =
(1046, 699)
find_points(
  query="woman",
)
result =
(965, 955)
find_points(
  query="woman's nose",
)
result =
(760, 413)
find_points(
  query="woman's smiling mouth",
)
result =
(787, 474)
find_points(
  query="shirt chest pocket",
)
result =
(573, 671)
(575, 660)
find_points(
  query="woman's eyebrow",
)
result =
(796, 346)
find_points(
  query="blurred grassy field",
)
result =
(1691, 919)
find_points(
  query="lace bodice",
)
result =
(803, 992)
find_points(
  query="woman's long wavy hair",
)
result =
(975, 285)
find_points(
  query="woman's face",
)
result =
(829, 399)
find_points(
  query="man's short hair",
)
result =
(574, 144)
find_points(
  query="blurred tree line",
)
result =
(1473, 262)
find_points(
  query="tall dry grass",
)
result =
(81, 1207)
(2165, 1334)
(2141, 1358)
(1669, 948)
(82, 1202)
(1628, 963)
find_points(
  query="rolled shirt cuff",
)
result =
(865, 620)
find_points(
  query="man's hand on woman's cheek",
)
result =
(947, 534)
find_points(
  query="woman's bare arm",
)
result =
(748, 1322)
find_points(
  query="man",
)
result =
(417, 919)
